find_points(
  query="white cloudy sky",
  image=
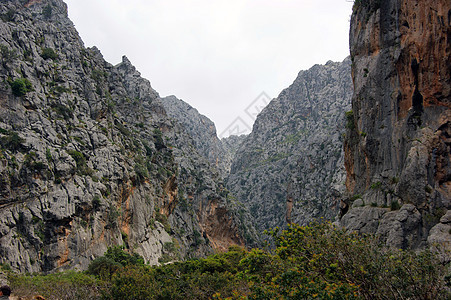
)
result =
(217, 55)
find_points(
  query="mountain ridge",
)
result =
(90, 159)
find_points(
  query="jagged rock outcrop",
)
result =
(397, 145)
(203, 132)
(290, 168)
(218, 152)
(89, 157)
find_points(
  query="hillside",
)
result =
(203, 132)
(290, 168)
(93, 160)
(89, 157)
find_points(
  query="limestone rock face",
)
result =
(219, 153)
(90, 159)
(290, 168)
(397, 146)
(203, 132)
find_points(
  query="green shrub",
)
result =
(103, 267)
(355, 197)
(98, 75)
(376, 185)
(48, 155)
(395, 205)
(114, 259)
(79, 158)
(158, 139)
(8, 16)
(308, 262)
(12, 141)
(96, 203)
(118, 254)
(360, 263)
(134, 284)
(21, 86)
(141, 172)
(123, 129)
(63, 110)
(163, 220)
(49, 53)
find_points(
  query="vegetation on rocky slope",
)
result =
(290, 168)
(318, 261)
(89, 158)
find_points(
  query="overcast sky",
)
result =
(217, 55)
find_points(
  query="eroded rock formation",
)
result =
(397, 146)
(290, 168)
(89, 157)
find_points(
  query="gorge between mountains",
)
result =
(92, 157)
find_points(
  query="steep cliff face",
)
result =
(203, 132)
(398, 140)
(290, 168)
(218, 152)
(90, 159)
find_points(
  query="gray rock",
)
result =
(446, 219)
(290, 168)
(90, 159)
(358, 203)
(203, 132)
(439, 240)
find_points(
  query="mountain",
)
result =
(218, 152)
(203, 132)
(290, 168)
(397, 145)
(89, 157)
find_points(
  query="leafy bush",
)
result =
(163, 220)
(317, 261)
(158, 139)
(79, 158)
(376, 185)
(8, 16)
(360, 265)
(21, 86)
(141, 172)
(114, 259)
(63, 110)
(118, 255)
(49, 53)
(96, 203)
(12, 141)
(103, 267)
(394, 205)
